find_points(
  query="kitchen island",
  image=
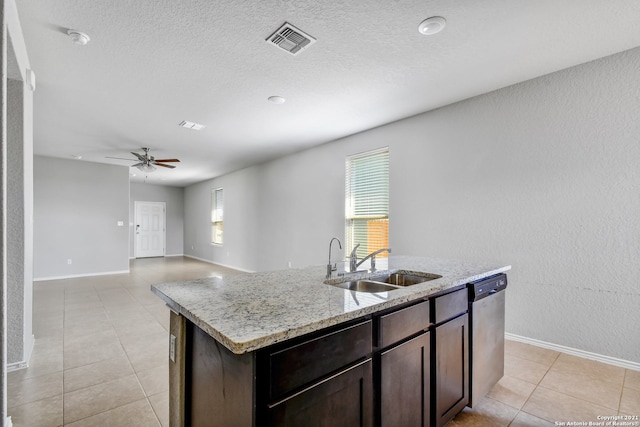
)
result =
(284, 347)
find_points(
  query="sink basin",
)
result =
(364, 286)
(406, 278)
(384, 282)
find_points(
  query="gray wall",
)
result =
(77, 207)
(542, 175)
(15, 223)
(174, 202)
(241, 215)
(19, 226)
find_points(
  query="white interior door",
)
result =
(149, 229)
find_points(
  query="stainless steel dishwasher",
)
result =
(486, 335)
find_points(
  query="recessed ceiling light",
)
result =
(277, 99)
(76, 157)
(432, 25)
(78, 37)
(191, 125)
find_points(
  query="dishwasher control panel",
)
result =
(487, 286)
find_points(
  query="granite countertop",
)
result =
(250, 311)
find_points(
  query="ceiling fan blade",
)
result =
(140, 157)
(164, 166)
(120, 158)
(166, 160)
(137, 164)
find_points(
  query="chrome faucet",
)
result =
(353, 258)
(331, 268)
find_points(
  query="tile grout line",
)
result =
(125, 353)
(135, 373)
(624, 382)
(537, 385)
(584, 400)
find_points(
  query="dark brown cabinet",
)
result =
(407, 366)
(344, 399)
(405, 383)
(401, 323)
(325, 380)
(218, 384)
(291, 366)
(451, 356)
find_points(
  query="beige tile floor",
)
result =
(101, 351)
(543, 387)
(100, 359)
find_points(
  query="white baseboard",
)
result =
(165, 256)
(16, 366)
(217, 263)
(635, 366)
(73, 276)
(8, 422)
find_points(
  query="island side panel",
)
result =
(220, 387)
(177, 335)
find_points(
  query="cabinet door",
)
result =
(344, 399)
(452, 368)
(405, 384)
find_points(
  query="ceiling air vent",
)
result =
(291, 39)
(191, 125)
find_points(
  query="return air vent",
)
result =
(290, 39)
(191, 125)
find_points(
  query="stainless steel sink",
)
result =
(384, 282)
(405, 278)
(364, 286)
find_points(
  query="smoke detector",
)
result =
(431, 26)
(290, 39)
(78, 37)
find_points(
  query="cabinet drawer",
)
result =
(403, 323)
(298, 365)
(450, 305)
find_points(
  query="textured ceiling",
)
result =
(151, 64)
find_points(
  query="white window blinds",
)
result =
(217, 210)
(367, 202)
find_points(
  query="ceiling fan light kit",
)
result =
(145, 167)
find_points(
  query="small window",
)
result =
(217, 209)
(367, 202)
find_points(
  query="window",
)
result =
(367, 202)
(217, 208)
